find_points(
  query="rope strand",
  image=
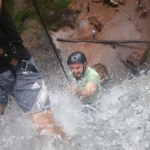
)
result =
(51, 42)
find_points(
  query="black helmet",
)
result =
(76, 57)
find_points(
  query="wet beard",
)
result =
(78, 78)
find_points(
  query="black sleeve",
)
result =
(8, 26)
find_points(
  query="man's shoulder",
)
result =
(92, 71)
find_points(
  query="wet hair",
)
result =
(76, 57)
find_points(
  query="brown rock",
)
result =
(102, 71)
(96, 23)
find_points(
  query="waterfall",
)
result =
(120, 122)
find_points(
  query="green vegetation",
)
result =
(10, 5)
(38, 36)
(44, 5)
(57, 6)
(53, 26)
(20, 16)
(30, 12)
(60, 4)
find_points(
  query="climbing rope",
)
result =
(51, 42)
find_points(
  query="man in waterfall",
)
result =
(19, 76)
(84, 81)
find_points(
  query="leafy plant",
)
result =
(52, 4)
(20, 16)
(43, 6)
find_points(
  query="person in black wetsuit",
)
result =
(19, 76)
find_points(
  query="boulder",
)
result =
(98, 25)
(136, 58)
(102, 71)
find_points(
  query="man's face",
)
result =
(77, 69)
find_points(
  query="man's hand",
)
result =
(76, 91)
(72, 88)
(86, 93)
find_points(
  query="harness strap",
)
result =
(50, 40)
(8, 57)
(8, 54)
(25, 66)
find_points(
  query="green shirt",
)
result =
(90, 76)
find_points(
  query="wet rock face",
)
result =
(102, 71)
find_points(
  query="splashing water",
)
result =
(121, 122)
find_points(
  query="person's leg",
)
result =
(31, 95)
(6, 84)
(1, 110)
(45, 121)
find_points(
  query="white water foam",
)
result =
(122, 121)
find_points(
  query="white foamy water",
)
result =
(121, 122)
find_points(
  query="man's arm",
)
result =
(86, 93)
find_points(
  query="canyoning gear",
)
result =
(76, 57)
(18, 74)
(90, 76)
(10, 40)
(12, 51)
(12, 57)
